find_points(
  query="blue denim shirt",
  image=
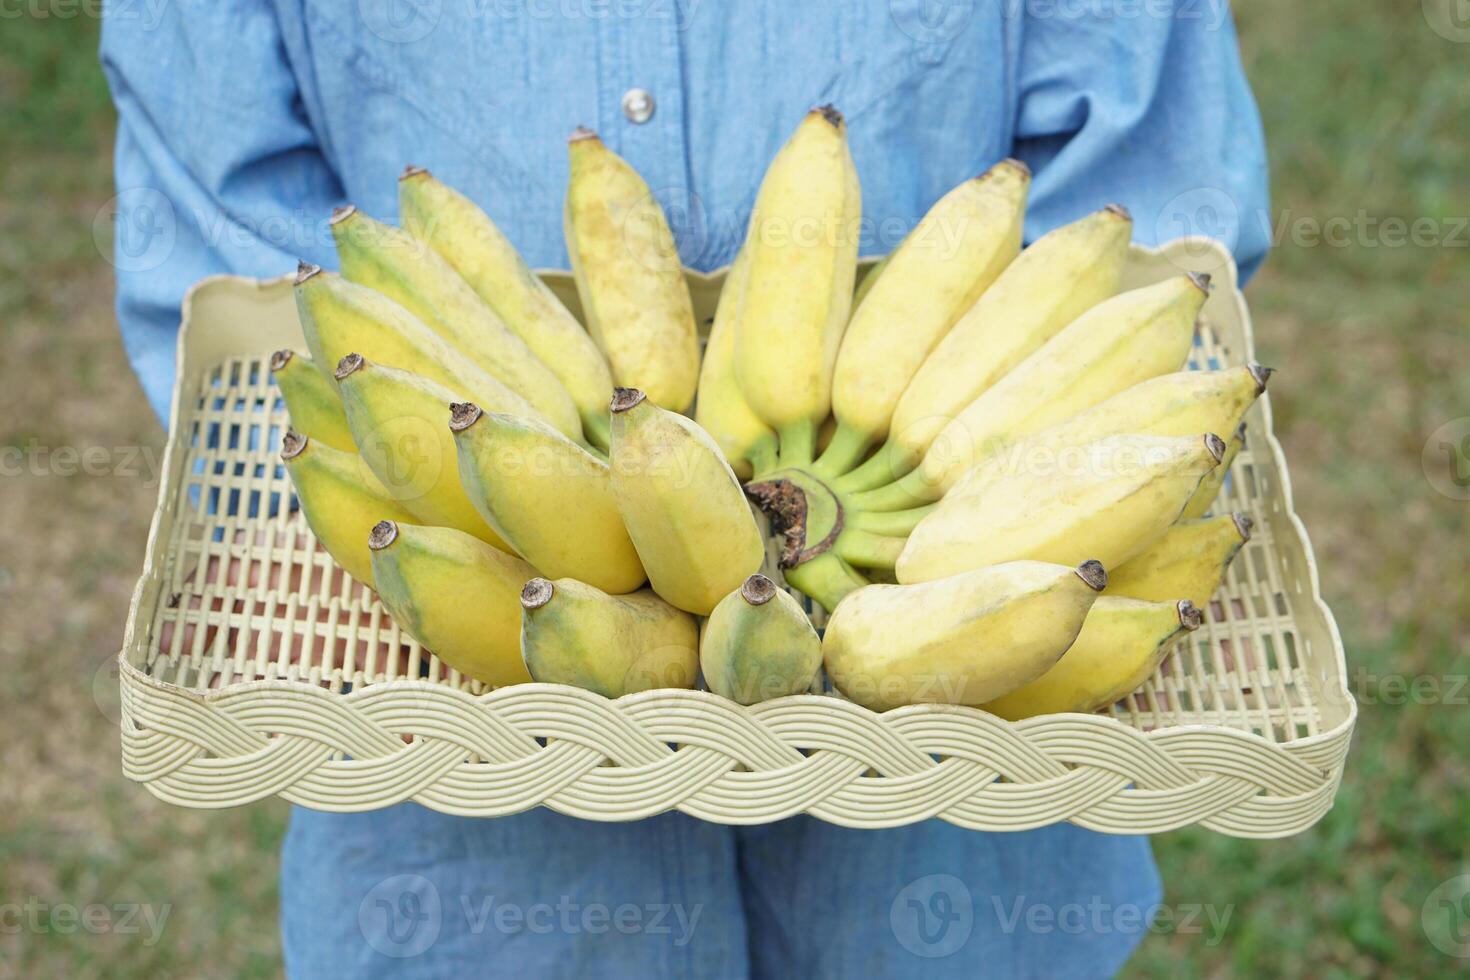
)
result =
(242, 123)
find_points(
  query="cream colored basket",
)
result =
(254, 667)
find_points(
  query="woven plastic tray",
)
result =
(253, 667)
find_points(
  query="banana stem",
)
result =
(763, 456)
(895, 523)
(868, 550)
(798, 443)
(825, 580)
(844, 452)
(884, 466)
(912, 491)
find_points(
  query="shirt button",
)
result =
(638, 105)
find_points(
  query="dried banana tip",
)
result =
(1261, 373)
(1244, 525)
(412, 170)
(758, 590)
(462, 415)
(1093, 573)
(1216, 446)
(305, 270)
(293, 444)
(349, 364)
(383, 534)
(537, 593)
(624, 399)
(1189, 615)
(342, 213)
(281, 358)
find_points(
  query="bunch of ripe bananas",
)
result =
(950, 453)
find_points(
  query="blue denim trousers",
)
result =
(407, 892)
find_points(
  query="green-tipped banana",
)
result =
(409, 272)
(681, 503)
(937, 273)
(1122, 643)
(549, 498)
(803, 242)
(341, 318)
(759, 644)
(398, 420)
(311, 399)
(456, 595)
(825, 579)
(465, 237)
(1109, 500)
(573, 633)
(341, 500)
(1188, 562)
(721, 409)
(966, 639)
(1209, 488)
(1177, 404)
(629, 275)
(1057, 279)
(1132, 337)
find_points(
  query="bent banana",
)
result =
(426, 576)
(465, 237)
(549, 498)
(803, 242)
(1122, 643)
(721, 410)
(341, 318)
(573, 633)
(759, 644)
(1130, 338)
(937, 273)
(311, 399)
(681, 503)
(1112, 500)
(1177, 404)
(398, 421)
(1059, 277)
(966, 639)
(341, 500)
(1188, 562)
(407, 271)
(629, 275)
(1209, 488)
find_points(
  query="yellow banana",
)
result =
(1122, 643)
(456, 595)
(1177, 404)
(1132, 337)
(681, 503)
(574, 633)
(1209, 488)
(399, 421)
(966, 639)
(311, 399)
(341, 318)
(1110, 499)
(465, 237)
(759, 644)
(341, 500)
(629, 275)
(803, 242)
(1059, 277)
(407, 271)
(937, 273)
(549, 498)
(748, 443)
(1188, 562)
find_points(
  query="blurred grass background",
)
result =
(1365, 107)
